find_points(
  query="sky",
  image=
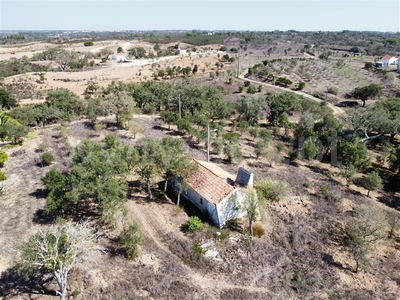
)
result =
(252, 15)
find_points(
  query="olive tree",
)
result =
(249, 202)
(372, 181)
(368, 91)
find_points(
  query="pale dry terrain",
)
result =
(164, 268)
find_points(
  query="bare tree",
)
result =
(393, 219)
(368, 227)
(58, 250)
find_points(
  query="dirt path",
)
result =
(156, 227)
(336, 110)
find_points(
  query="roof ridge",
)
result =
(198, 161)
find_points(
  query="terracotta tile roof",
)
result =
(387, 57)
(211, 182)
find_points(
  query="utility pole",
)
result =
(208, 141)
(179, 104)
(238, 67)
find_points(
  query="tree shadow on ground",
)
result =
(192, 144)
(331, 261)
(13, 285)
(40, 217)
(390, 200)
(347, 104)
(40, 193)
(190, 209)
(258, 165)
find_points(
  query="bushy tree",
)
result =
(250, 108)
(372, 181)
(233, 153)
(66, 101)
(6, 100)
(131, 238)
(355, 154)
(310, 149)
(150, 162)
(276, 105)
(369, 91)
(96, 176)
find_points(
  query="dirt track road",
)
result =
(156, 229)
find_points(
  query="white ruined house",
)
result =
(119, 57)
(216, 192)
(388, 60)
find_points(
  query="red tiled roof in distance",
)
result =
(387, 57)
(211, 182)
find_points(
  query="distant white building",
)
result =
(388, 60)
(120, 57)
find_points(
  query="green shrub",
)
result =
(272, 190)
(99, 126)
(302, 85)
(130, 238)
(47, 158)
(251, 89)
(197, 249)
(75, 294)
(2, 176)
(333, 90)
(258, 230)
(294, 154)
(276, 131)
(3, 157)
(88, 43)
(307, 184)
(42, 148)
(325, 192)
(194, 224)
(280, 147)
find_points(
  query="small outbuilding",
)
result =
(120, 57)
(216, 192)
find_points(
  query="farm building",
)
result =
(388, 60)
(120, 57)
(215, 191)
